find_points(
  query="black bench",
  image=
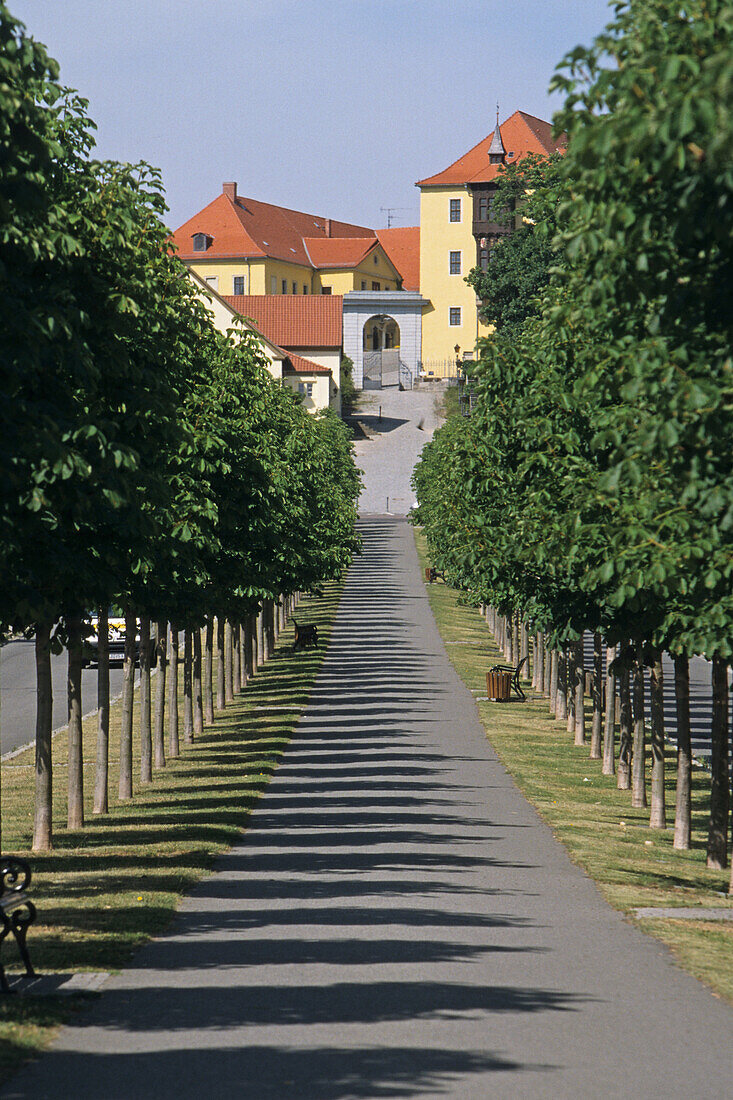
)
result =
(305, 634)
(17, 911)
(515, 673)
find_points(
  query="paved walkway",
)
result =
(395, 440)
(396, 923)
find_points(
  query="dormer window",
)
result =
(201, 242)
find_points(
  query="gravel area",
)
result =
(392, 446)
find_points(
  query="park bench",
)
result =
(515, 674)
(305, 634)
(17, 911)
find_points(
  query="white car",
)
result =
(116, 636)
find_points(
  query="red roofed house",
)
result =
(307, 328)
(318, 383)
(243, 246)
(456, 234)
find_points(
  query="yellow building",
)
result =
(457, 234)
(317, 383)
(241, 246)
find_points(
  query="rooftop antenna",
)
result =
(389, 211)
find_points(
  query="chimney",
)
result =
(328, 227)
(230, 190)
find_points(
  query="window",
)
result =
(483, 258)
(305, 289)
(295, 288)
(376, 286)
(212, 281)
(376, 259)
(200, 242)
(306, 388)
(455, 315)
(325, 290)
(284, 286)
(240, 284)
(455, 210)
(273, 285)
(483, 208)
(363, 284)
(455, 263)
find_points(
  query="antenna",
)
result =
(389, 211)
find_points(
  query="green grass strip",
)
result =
(104, 891)
(633, 865)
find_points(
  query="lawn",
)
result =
(105, 890)
(633, 865)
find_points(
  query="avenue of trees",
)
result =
(148, 461)
(591, 489)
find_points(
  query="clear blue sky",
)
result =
(335, 107)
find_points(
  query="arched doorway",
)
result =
(381, 345)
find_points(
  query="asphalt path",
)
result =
(18, 692)
(397, 922)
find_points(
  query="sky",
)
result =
(334, 107)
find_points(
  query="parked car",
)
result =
(116, 639)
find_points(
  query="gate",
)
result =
(381, 368)
(372, 370)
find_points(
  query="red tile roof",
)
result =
(296, 364)
(294, 321)
(521, 134)
(402, 245)
(241, 228)
(338, 251)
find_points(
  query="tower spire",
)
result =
(497, 152)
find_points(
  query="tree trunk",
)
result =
(187, 687)
(596, 733)
(250, 650)
(625, 737)
(43, 817)
(174, 746)
(270, 627)
(719, 779)
(579, 692)
(536, 662)
(561, 711)
(236, 659)
(638, 775)
(220, 664)
(75, 777)
(209, 673)
(101, 771)
(658, 815)
(572, 671)
(228, 662)
(146, 739)
(609, 733)
(161, 660)
(524, 645)
(552, 692)
(261, 638)
(198, 707)
(128, 700)
(683, 807)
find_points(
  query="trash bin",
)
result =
(499, 686)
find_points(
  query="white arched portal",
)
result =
(388, 323)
